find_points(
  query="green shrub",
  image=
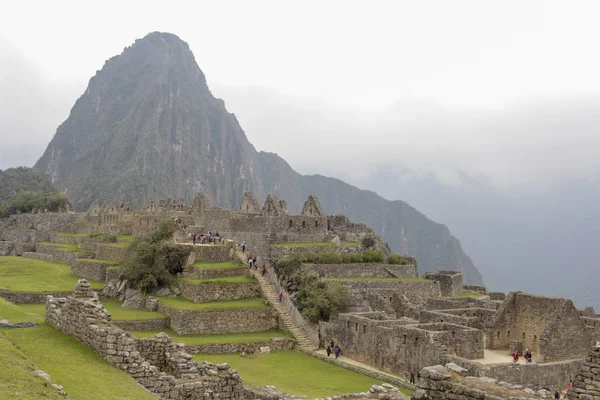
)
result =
(368, 242)
(26, 202)
(321, 300)
(329, 257)
(287, 267)
(350, 258)
(149, 260)
(172, 257)
(397, 259)
(372, 256)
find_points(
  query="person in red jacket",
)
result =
(280, 297)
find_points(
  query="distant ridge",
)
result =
(147, 127)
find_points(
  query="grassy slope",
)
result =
(83, 373)
(17, 379)
(184, 304)
(119, 313)
(251, 337)
(295, 373)
(219, 265)
(20, 274)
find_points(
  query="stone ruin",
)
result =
(159, 365)
(249, 204)
(586, 385)
(273, 207)
(312, 207)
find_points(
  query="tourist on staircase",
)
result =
(244, 246)
(280, 297)
(264, 270)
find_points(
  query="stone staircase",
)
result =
(268, 290)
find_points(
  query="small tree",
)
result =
(368, 242)
(172, 257)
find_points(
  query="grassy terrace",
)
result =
(185, 304)
(20, 274)
(295, 373)
(380, 279)
(81, 371)
(97, 260)
(228, 279)
(70, 247)
(192, 340)
(119, 313)
(98, 235)
(316, 244)
(219, 265)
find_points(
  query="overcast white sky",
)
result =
(360, 64)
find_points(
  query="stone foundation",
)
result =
(212, 253)
(209, 273)
(108, 252)
(202, 293)
(238, 348)
(146, 325)
(29, 297)
(365, 271)
(234, 320)
(586, 385)
(90, 269)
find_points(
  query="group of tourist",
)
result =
(333, 348)
(202, 238)
(527, 355)
(411, 378)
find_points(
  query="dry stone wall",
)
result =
(586, 385)
(90, 269)
(201, 293)
(29, 297)
(210, 273)
(145, 325)
(146, 360)
(108, 252)
(234, 320)
(365, 271)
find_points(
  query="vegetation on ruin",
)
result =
(119, 313)
(368, 242)
(17, 377)
(315, 244)
(219, 265)
(467, 293)
(150, 260)
(43, 346)
(70, 247)
(317, 299)
(367, 256)
(19, 274)
(235, 338)
(312, 377)
(185, 304)
(224, 280)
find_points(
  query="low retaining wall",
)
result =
(90, 269)
(238, 348)
(202, 293)
(553, 374)
(6, 248)
(24, 235)
(29, 298)
(147, 325)
(39, 256)
(107, 252)
(235, 320)
(365, 271)
(209, 273)
(60, 255)
(157, 364)
(212, 253)
(113, 274)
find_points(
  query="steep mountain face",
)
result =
(147, 127)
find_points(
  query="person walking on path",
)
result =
(280, 297)
(331, 344)
(249, 262)
(254, 263)
(194, 238)
(337, 351)
(412, 378)
(244, 246)
(515, 356)
(264, 270)
(328, 351)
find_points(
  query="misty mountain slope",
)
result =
(147, 127)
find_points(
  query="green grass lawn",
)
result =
(317, 244)
(251, 337)
(119, 313)
(83, 373)
(381, 279)
(185, 304)
(219, 265)
(97, 260)
(20, 274)
(70, 247)
(467, 293)
(17, 379)
(226, 279)
(295, 373)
